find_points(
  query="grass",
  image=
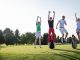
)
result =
(28, 52)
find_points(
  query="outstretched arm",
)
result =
(53, 15)
(57, 25)
(75, 16)
(65, 23)
(49, 15)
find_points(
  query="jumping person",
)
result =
(51, 28)
(78, 27)
(61, 23)
(38, 31)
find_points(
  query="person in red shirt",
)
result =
(51, 28)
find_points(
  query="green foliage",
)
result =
(27, 38)
(2, 40)
(17, 37)
(58, 39)
(8, 36)
(44, 41)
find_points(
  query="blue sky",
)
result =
(22, 14)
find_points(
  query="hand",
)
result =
(56, 27)
(75, 14)
(49, 11)
(37, 16)
(53, 11)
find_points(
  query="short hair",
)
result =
(63, 16)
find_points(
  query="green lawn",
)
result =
(28, 52)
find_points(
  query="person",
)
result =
(51, 33)
(61, 23)
(38, 31)
(78, 26)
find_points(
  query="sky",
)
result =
(22, 14)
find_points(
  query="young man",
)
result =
(78, 26)
(62, 29)
(51, 28)
(38, 31)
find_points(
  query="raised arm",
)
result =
(40, 19)
(75, 16)
(53, 15)
(49, 15)
(37, 19)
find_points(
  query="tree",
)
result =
(1, 37)
(45, 36)
(27, 38)
(58, 39)
(9, 36)
(69, 39)
(17, 37)
(23, 39)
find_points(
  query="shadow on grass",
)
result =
(68, 56)
(77, 52)
(72, 57)
(77, 49)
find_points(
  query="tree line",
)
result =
(9, 37)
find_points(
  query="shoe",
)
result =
(35, 47)
(40, 47)
(49, 44)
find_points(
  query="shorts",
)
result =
(77, 30)
(63, 30)
(38, 35)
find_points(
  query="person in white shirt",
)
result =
(78, 26)
(62, 29)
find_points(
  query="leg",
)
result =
(49, 35)
(36, 39)
(65, 35)
(53, 36)
(40, 40)
(62, 32)
(78, 35)
(35, 42)
(62, 38)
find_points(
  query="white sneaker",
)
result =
(49, 44)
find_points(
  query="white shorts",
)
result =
(63, 30)
(38, 35)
